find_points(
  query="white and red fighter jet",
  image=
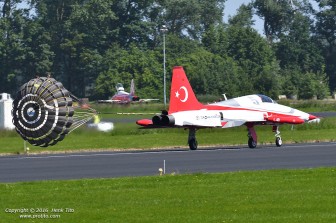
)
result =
(185, 111)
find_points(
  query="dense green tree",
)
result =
(191, 17)
(256, 58)
(93, 19)
(15, 48)
(298, 47)
(277, 15)
(210, 39)
(304, 85)
(215, 40)
(243, 18)
(312, 85)
(290, 82)
(123, 65)
(210, 74)
(87, 38)
(326, 31)
(134, 23)
(80, 33)
(39, 56)
(90, 45)
(53, 16)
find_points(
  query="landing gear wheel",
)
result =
(193, 144)
(192, 139)
(278, 141)
(251, 143)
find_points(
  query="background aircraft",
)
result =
(186, 111)
(123, 97)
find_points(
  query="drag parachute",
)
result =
(44, 112)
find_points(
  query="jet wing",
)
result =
(232, 123)
(109, 101)
(148, 100)
(148, 124)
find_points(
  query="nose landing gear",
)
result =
(278, 140)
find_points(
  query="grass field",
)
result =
(261, 196)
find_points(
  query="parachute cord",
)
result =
(79, 122)
(83, 113)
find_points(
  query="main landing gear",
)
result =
(192, 139)
(251, 143)
(252, 136)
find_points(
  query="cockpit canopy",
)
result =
(120, 87)
(266, 99)
(255, 99)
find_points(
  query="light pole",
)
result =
(164, 30)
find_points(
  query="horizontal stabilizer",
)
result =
(144, 122)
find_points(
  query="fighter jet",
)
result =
(123, 97)
(185, 111)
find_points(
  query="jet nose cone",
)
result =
(312, 117)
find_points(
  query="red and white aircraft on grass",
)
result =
(186, 111)
(123, 97)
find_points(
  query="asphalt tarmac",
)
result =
(146, 163)
(324, 114)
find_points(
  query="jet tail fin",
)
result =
(182, 96)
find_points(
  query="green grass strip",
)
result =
(307, 195)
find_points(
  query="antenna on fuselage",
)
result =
(225, 98)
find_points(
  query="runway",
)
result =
(120, 164)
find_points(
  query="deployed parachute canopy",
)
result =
(44, 112)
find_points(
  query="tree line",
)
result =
(91, 45)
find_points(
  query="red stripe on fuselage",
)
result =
(271, 116)
(281, 118)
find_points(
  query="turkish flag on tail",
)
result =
(182, 97)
